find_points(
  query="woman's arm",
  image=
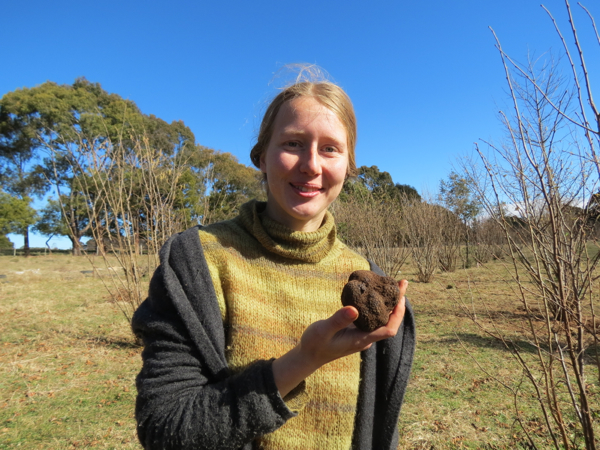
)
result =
(327, 340)
(181, 406)
(187, 396)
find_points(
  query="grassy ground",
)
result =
(67, 359)
(457, 395)
(68, 362)
(451, 401)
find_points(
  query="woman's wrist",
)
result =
(290, 369)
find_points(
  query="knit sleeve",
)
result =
(187, 397)
(179, 406)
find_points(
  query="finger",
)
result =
(394, 322)
(341, 319)
(398, 313)
(402, 285)
(401, 306)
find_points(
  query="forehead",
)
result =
(309, 113)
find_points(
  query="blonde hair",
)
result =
(329, 95)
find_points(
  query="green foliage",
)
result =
(60, 134)
(51, 221)
(215, 184)
(457, 196)
(408, 191)
(379, 184)
(5, 242)
(89, 144)
(15, 214)
(353, 188)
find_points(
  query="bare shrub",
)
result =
(374, 228)
(424, 224)
(546, 172)
(452, 231)
(488, 241)
(130, 189)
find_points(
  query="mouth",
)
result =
(307, 190)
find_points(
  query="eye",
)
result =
(292, 144)
(330, 149)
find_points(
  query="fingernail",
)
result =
(351, 313)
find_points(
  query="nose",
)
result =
(311, 163)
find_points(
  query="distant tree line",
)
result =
(70, 143)
(107, 171)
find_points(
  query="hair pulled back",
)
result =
(329, 95)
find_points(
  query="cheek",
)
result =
(276, 165)
(339, 171)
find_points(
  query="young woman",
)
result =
(246, 345)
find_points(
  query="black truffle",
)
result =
(373, 296)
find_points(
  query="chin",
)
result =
(306, 215)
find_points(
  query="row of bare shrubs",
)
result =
(391, 231)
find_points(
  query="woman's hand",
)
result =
(327, 340)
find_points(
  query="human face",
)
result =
(305, 162)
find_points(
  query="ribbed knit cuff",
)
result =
(297, 398)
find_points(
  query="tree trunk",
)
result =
(26, 251)
(76, 246)
(467, 265)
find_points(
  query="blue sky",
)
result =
(424, 76)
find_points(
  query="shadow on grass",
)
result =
(114, 342)
(490, 342)
(592, 354)
(502, 315)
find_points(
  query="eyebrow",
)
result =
(289, 131)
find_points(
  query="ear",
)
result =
(263, 164)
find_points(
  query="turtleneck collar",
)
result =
(304, 246)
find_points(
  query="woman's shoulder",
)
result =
(228, 233)
(196, 239)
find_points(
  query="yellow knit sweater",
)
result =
(271, 283)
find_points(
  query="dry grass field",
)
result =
(67, 359)
(68, 362)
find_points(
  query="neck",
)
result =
(308, 225)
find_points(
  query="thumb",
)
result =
(342, 318)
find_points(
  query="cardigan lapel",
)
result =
(187, 278)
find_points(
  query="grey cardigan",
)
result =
(189, 399)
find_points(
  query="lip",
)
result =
(312, 191)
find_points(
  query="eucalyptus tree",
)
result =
(457, 195)
(19, 175)
(60, 135)
(16, 214)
